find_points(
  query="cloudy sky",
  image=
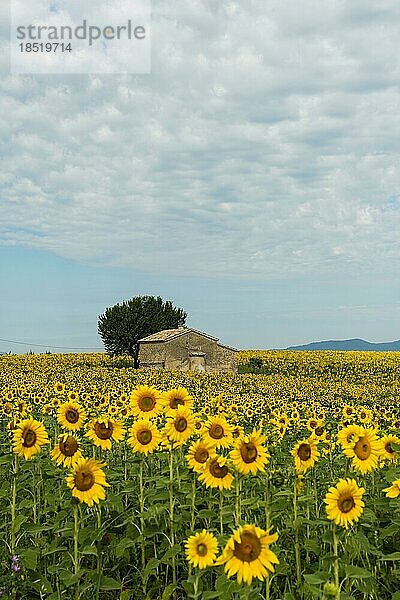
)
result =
(253, 177)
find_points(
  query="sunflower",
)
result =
(388, 452)
(144, 437)
(71, 416)
(305, 454)
(198, 454)
(319, 433)
(198, 424)
(87, 481)
(22, 408)
(218, 432)
(175, 398)
(247, 554)
(146, 401)
(216, 473)
(348, 411)
(7, 408)
(73, 396)
(201, 549)
(29, 437)
(394, 490)
(366, 451)
(249, 454)
(59, 388)
(67, 451)
(180, 427)
(349, 435)
(102, 431)
(365, 415)
(343, 502)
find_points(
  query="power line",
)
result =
(48, 345)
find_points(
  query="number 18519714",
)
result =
(45, 47)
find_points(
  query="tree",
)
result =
(123, 325)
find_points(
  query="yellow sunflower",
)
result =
(29, 437)
(249, 454)
(366, 451)
(88, 481)
(198, 424)
(144, 437)
(388, 452)
(180, 426)
(218, 432)
(394, 490)
(59, 388)
(247, 554)
(364, 414)
(71, 416)
(305, 454)
(175, 398)
(201, 549)
(67, 451)
(349, 435)
(216, 473)
(198, 454)
(102, 431)
(348, 411)
(146, 402)
(344, 503)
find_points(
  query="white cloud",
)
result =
(264, 142)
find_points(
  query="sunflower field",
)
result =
(153, 485)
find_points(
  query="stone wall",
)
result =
(182, 352)
(227, 359)
(152, 353)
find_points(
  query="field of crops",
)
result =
(149, 485)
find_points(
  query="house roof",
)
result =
(169, 334)
(229, 347)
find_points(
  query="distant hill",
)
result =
(354, 344)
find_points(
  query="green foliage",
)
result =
(122, 326)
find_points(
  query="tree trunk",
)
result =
(136, 358)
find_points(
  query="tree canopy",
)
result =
(122, 326)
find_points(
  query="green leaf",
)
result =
(169, 590)
(108, 583)
(312, 546)
(150, 567)
(393, 556)
(89, 550)
(30, 557)
(357, 572)
(123, 545)
(317, 578)
(171, 552)
(18, 522)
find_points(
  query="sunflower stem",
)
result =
(193, 504)
(336, 560)
(267, 527)
(99, 551)
(76, 553)
(296, 536)
(221, 505)
(196, 585)
(13, 504)
(171, 511)
(141, 508)
(237, 503)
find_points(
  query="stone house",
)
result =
(186, 349)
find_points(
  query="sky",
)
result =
(253, 178)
